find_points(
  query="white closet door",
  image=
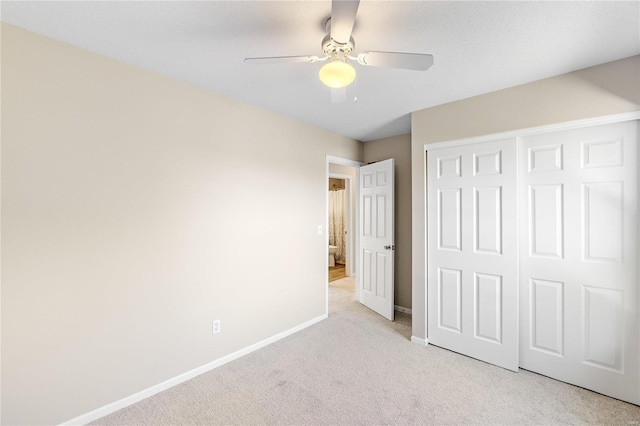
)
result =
(472, 259)
(579, 257)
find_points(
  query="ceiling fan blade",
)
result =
(409, 61)
(343, 16)
(280, 60)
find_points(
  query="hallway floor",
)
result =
(337, 272)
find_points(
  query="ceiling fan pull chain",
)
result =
(355, 91)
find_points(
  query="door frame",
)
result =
(596, 121)
(517, 134)
(355, 220)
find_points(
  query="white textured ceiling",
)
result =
(478, 47)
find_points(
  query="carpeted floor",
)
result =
(358, 368)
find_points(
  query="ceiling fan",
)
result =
(338, 47)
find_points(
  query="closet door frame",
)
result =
(506, 135)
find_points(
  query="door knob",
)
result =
(392, 247)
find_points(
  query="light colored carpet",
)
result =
(358, 368)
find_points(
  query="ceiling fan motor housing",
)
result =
(334, 49)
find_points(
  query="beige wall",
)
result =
(343, 170)
(136, 209)
(398, 148)
(598, 91)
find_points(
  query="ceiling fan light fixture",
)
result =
(337, 74)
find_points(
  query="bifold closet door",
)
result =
(579, 257)
(472, 251)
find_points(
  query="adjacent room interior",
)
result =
(196, 229)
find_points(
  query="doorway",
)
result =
(346, 171)
(341, 218)
(338, 226)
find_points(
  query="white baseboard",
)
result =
(419, 341)
(402, 309)
(146, 393)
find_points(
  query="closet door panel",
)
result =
(579, 257)
(472, 253)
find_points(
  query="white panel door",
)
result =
(579, 257)
(376, 257)
(472, 251)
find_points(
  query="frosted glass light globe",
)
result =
(337, 74)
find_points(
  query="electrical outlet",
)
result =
(216, 327)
